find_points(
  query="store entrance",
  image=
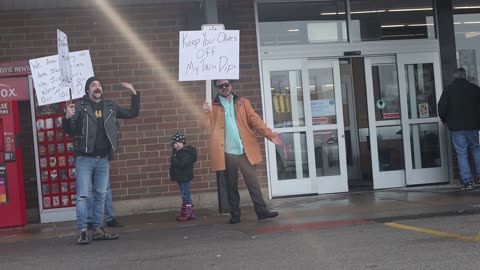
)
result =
(371, 105)
(392, 130)
(367, 122)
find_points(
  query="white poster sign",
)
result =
(48, 82)
(209, 55)
(64, 59)
(323, 107)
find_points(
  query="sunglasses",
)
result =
(221, 86)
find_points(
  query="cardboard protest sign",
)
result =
(208, 55)
(64, 59)
(47, 79)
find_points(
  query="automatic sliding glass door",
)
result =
(384, 112)
(303, 104)
(424, 135)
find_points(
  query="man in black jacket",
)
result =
(93, 123)
(459, 110)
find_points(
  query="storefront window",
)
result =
(467, 36)
(391, 20)
(326, 21)
(302, 22)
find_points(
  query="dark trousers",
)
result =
(249, 173)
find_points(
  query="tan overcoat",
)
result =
(248, 121)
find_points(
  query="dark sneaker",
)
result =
(234, 220)
(114, 224)
(266, 214)
(100, 234)
(83, 238)
(469, 186)
(90, 225)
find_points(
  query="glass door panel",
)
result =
(383, 101)
(287, 98)
(421, 92)
(322, 96)
(288, 164)
(326, 128)
(303, 101)
(292, 160)
(425, 145)
(327, 160)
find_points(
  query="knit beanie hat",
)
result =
(89, 81)
(179, 137)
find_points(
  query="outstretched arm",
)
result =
(124, 113)
(257, 123)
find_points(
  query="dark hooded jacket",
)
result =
(181, 164)
(83, 125)
(459, 106)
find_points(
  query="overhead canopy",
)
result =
(35, 4)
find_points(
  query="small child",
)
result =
(181, 171)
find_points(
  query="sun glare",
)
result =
(137, 44)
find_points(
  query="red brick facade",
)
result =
(140, 169)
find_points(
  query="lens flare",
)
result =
(147, 55)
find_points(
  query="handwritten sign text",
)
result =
(208, 55)
(47, 77)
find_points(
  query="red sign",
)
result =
(14, 88)
(4, 108)
(395, 115)
(17, 68)
(320, 120)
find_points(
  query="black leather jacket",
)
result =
(83, 125)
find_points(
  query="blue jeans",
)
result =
(185, 191)
(109, 214)
(464, 140)
(92, 174)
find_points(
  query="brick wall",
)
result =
(149, 60)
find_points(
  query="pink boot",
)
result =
(189, 214)
(182, 214)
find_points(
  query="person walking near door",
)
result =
(233, 145)
(459, 110)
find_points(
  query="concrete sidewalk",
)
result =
(371, 206)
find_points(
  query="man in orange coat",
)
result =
(233, 145)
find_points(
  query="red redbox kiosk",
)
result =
(12, 194)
